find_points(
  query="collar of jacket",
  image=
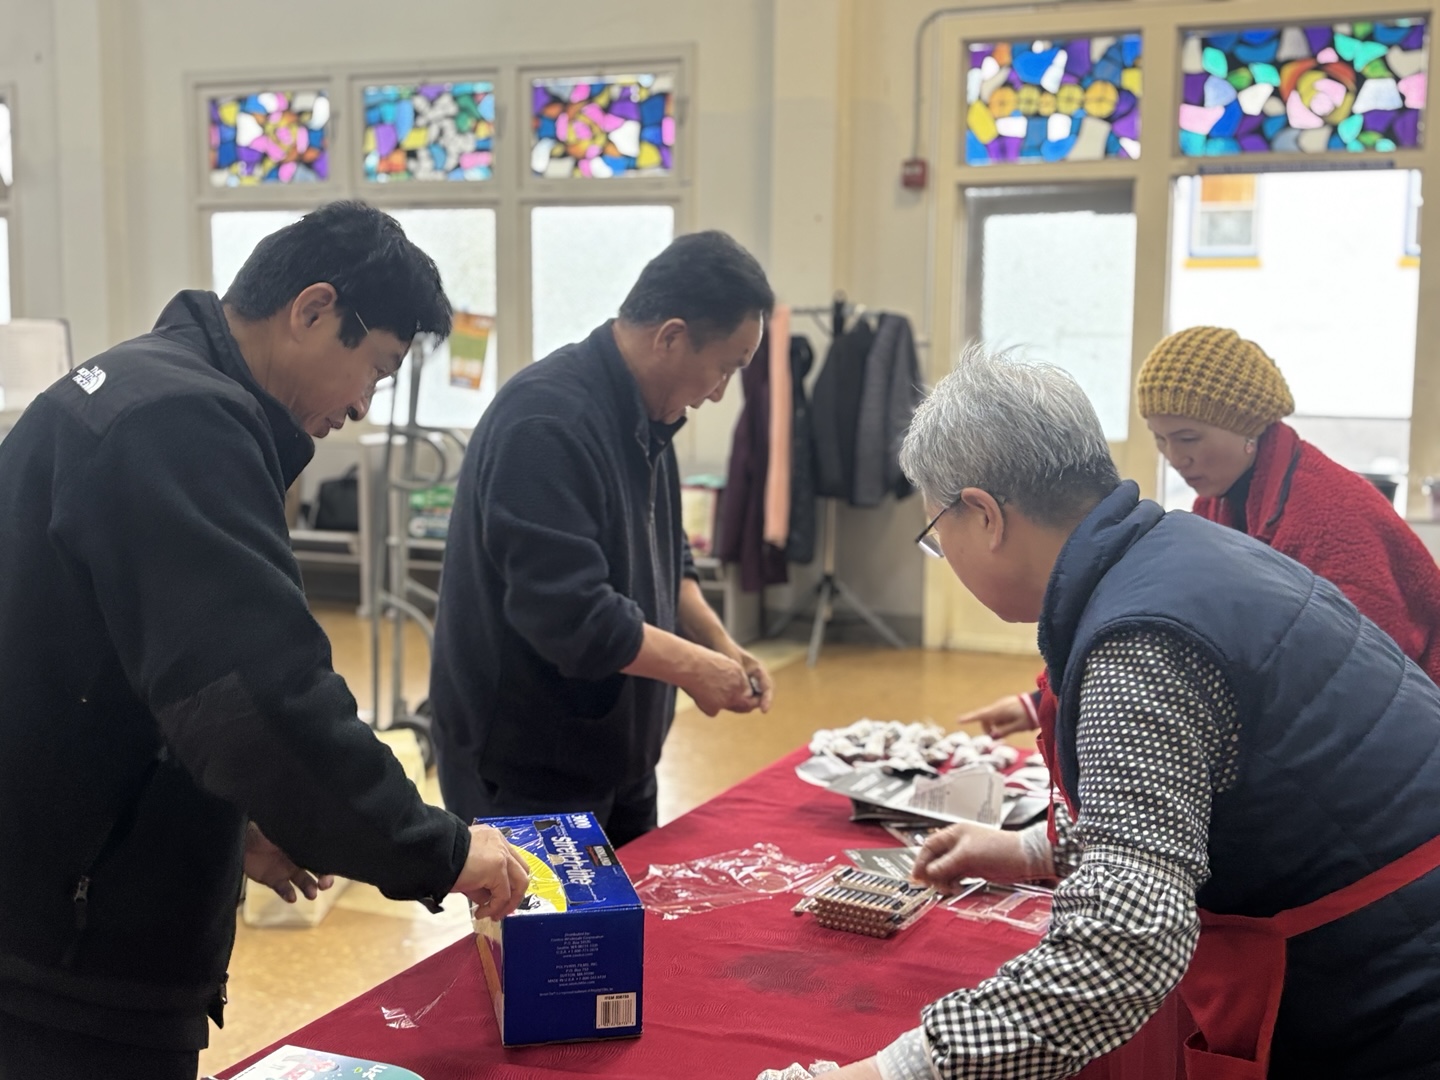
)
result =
(626, 397)
(1276, 457)
(195, 318)
(1097, 544)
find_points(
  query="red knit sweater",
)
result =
(1335, 522)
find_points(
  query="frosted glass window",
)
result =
(4, 269)
(583, 261)
(1060, 287)
(462, 243)
(233, 236)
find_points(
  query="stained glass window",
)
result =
(429, 131)
(618, 125)
(1357, 86)
(1071, 100)
(271, 137)
(7, 168)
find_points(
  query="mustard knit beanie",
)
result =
(1215, 376)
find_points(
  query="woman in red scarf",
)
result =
(1215, 403)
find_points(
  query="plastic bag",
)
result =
(402, 1017)
(1025, 907)
(798, 1071)
(730, 877)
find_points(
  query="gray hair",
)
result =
(1024, 432)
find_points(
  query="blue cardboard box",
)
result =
(569, 964)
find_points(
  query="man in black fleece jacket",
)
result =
(168, 710)
(569, 607)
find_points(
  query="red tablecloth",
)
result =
(728, 993)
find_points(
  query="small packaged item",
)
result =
(858, 902)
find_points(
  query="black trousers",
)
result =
(624, 814)
(35, 1052)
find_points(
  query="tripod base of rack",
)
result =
(828, 591)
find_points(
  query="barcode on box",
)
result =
(614, 1011)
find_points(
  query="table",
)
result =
(728, 993)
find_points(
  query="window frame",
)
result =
(511, 192)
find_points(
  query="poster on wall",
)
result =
(469, 341)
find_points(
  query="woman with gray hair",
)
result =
(1247, 772)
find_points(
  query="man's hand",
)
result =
(717, 682)
(756, 676)
(968, 850)
(267, 865)
(494, 877)
(1000, 718)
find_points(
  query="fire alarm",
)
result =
(913, 174)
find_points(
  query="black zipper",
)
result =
(114, 837)
(81, 899)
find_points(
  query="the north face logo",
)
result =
(89, 379)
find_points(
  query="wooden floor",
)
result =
(283, 978)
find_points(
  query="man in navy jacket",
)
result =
(168, 711)
(569, 608)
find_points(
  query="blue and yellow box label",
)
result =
(569, 964)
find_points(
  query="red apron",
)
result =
(1236, 976)
(1233, 985)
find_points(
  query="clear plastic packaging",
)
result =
(724, 879)
(403, 1016)
(1025, 907)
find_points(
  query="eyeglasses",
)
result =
(360, 321)
(929, 539)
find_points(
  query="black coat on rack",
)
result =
(835, 410)
(803, 525)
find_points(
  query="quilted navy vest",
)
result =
(1339, 766)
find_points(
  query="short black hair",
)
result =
(705, 278)
(364, 254)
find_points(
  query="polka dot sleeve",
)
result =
(1156, 738)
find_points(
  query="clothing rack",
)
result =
(830, 589)
(392, 587)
